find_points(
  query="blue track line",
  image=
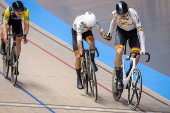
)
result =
(32, 96)
(152, 79)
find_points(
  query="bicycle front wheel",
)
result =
(92, 81)
(14, 65)
(135, 89)
(84, 76)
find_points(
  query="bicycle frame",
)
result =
(87, 54)
(133, 58)
(126, 80)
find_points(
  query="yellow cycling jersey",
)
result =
(10, 14)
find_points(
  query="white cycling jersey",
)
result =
(80, 27)
(131, 22)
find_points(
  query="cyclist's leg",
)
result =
(2, 44)
(134, 45)
(88, 36)
(2, 37)
(120, 41)
(77, 61)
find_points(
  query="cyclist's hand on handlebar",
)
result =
(25, 39)
(142, 52)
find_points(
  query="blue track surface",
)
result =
(152, 79)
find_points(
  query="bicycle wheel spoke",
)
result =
(92, 81)
(132, 95)
(14, 65)
(135, 89)
(84, 76)
(137, 94)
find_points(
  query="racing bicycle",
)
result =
(132, 82)
(88, 74)
(10, 59)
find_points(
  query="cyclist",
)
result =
(128, 24)
(82, 29)
(13, 16)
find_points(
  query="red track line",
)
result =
(51, 54)
(74, 69)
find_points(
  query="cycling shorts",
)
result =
(122, 36)
(85, 35)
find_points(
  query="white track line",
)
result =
(66, 107)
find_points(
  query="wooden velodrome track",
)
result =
(47, 82)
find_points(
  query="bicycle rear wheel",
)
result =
(135, 89)
(92, 81)
(14, 65)
(84, 76)
(116, 94)
(5, 59)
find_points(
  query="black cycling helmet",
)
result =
(121, 8)
(17, 6)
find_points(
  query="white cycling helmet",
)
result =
(89, 19)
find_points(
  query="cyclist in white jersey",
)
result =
(127, 24)
(82, 27)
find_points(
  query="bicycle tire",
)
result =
(135, 89)
(6, 61)
(84, 76)
(92, 81)
(14, 65)
(116, 94)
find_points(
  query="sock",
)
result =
(118, 72)
(78, 72)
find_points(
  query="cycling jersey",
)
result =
(131, 22)
(10, 14)
(80, 27)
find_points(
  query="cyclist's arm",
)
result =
(113, 23)
(79, 37)
(4, 30)
(137, 21)
(26, 21)
(26, 28)
(100, 29)
(98, 26)
(5, 20)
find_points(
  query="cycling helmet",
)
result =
(17, 6)
(89, 19)
(121, 8)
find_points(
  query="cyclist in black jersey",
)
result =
(12, 16)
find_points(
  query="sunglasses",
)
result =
(18, 12)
